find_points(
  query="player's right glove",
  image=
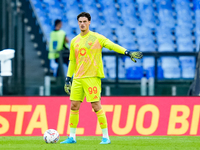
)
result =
(133, 55)
(68, 84)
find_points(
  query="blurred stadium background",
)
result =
(166, 31)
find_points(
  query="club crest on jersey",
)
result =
(90, 43)
(90, 40)
(82, 51)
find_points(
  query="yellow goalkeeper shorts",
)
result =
(86, 87)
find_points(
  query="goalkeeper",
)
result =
(87, 67)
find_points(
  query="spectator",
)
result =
(58, 42)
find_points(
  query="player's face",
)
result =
(83, 23)
(59, 25)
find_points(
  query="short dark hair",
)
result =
(57, 21)
(84, 14)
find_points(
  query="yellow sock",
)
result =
(73, 122)
(103, 122)
(102, 119)
(74, 118)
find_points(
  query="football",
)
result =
(51, 136)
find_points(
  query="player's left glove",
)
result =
(133, 55)
(68, 84)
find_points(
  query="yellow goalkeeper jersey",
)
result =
(86, 51)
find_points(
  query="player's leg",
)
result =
(92, 89)
(76, 97)
(102, 121)
(74, 118)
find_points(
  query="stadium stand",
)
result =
(145, 25)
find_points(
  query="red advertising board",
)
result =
(32, 116)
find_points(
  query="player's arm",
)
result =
(119, 49)
(66, 39)
(71, 69)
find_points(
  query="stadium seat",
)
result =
(148, 66)
(146, 45)
(39, 10)
(144, 38)
(43, 20)
(69, 4)
(67, 28)
(133, 70)
(106, 31)
(166, 18)
(47, 29)
(130, 45)
(144, 1)
(121, 68)
(170, 66)
(183, 31)
(50, 2)
(184, 39)
(182, 4)
(109, 13)
(147, 14)
(169, 61)
(124, 33)
(197, 17)
(184, 45)
(163, 4)
(91, 3)
(125, 37)
(187, 66)
(126, 2)
(196, 4)
(110, 65)
(55, 10)
(37, 4)
(184, 18)
(164, 39)
(110, 16)
(95, 21)
(72, 16)
(128, 15)
(52, 5)
(106, 3)
(165, 13)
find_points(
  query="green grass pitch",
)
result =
(92, 143)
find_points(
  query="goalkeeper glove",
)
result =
(133, 55)
(68, 84)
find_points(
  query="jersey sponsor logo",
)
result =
(77, 45)
(82, 51)
(95, 97)
(71, 124)
(101, 123)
